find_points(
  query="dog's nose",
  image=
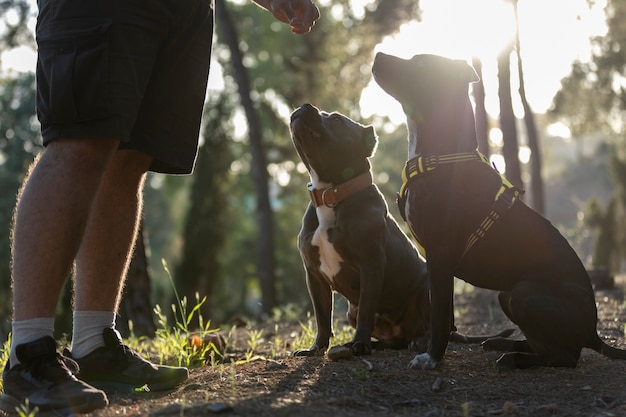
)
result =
(299, 112)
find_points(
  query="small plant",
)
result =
(306, 337)
(172, 344)
(24, 410)
(361, 373)
(342, 334)
(4, 356)
(279, 347)
(254, 339)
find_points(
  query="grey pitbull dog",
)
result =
(350, 243)
(473, 225)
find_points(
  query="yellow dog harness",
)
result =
(503, 200)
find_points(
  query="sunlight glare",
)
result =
(241, 125)
(21, 59)
(453, 28)
(523, 154)
(559, 130)
(496, 137)
(552, 35)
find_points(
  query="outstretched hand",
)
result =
(300, 15)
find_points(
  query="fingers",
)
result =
(300, 15)
(306, 13)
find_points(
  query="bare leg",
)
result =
(109, 237)
(51, 214)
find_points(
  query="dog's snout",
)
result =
(303, 110)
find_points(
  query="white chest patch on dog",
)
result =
(330, 260)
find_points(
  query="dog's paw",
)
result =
(313, 351)
(360, 348)
(423, 361)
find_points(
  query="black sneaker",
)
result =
(46, 380)
(116, 367)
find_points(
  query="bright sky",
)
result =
(553, 33)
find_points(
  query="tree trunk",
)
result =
(265, 218)
(510, 148)
(136, 305)
(536, 182)
(478, 90)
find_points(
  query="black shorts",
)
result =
(131, 70)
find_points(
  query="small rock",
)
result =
(217, 408)
(337, 353)
(274, 365)
(509, 408)
(437, 385)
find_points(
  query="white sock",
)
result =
(87, 331)
(24, 331)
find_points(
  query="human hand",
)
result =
(300, 15)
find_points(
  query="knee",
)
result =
(130, 164)
(82, 155)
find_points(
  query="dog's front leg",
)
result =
(371, 287)
(322, 297)
(441, 310)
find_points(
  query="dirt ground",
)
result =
(381, 384)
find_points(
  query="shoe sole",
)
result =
(10, 404)
(121, 387)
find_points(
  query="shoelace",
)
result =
(50, 367)
(129, 354)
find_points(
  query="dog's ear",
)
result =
(468, 71)
(371, 140)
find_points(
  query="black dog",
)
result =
(474, 226)
(349, 242)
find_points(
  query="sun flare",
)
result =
(552, 35)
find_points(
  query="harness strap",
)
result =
(503, 200)
(505, 197)
(421, 164)
(333, 195)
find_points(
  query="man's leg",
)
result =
(106, 249)
(101, 266)
(50, 218)
(108, 242)
(52, 211)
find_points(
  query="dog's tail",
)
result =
(462, 338)
(608, 351)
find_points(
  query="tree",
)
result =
(510, 147)
(536, 182)
(265, 216)
(478, 91)
(592, 99)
